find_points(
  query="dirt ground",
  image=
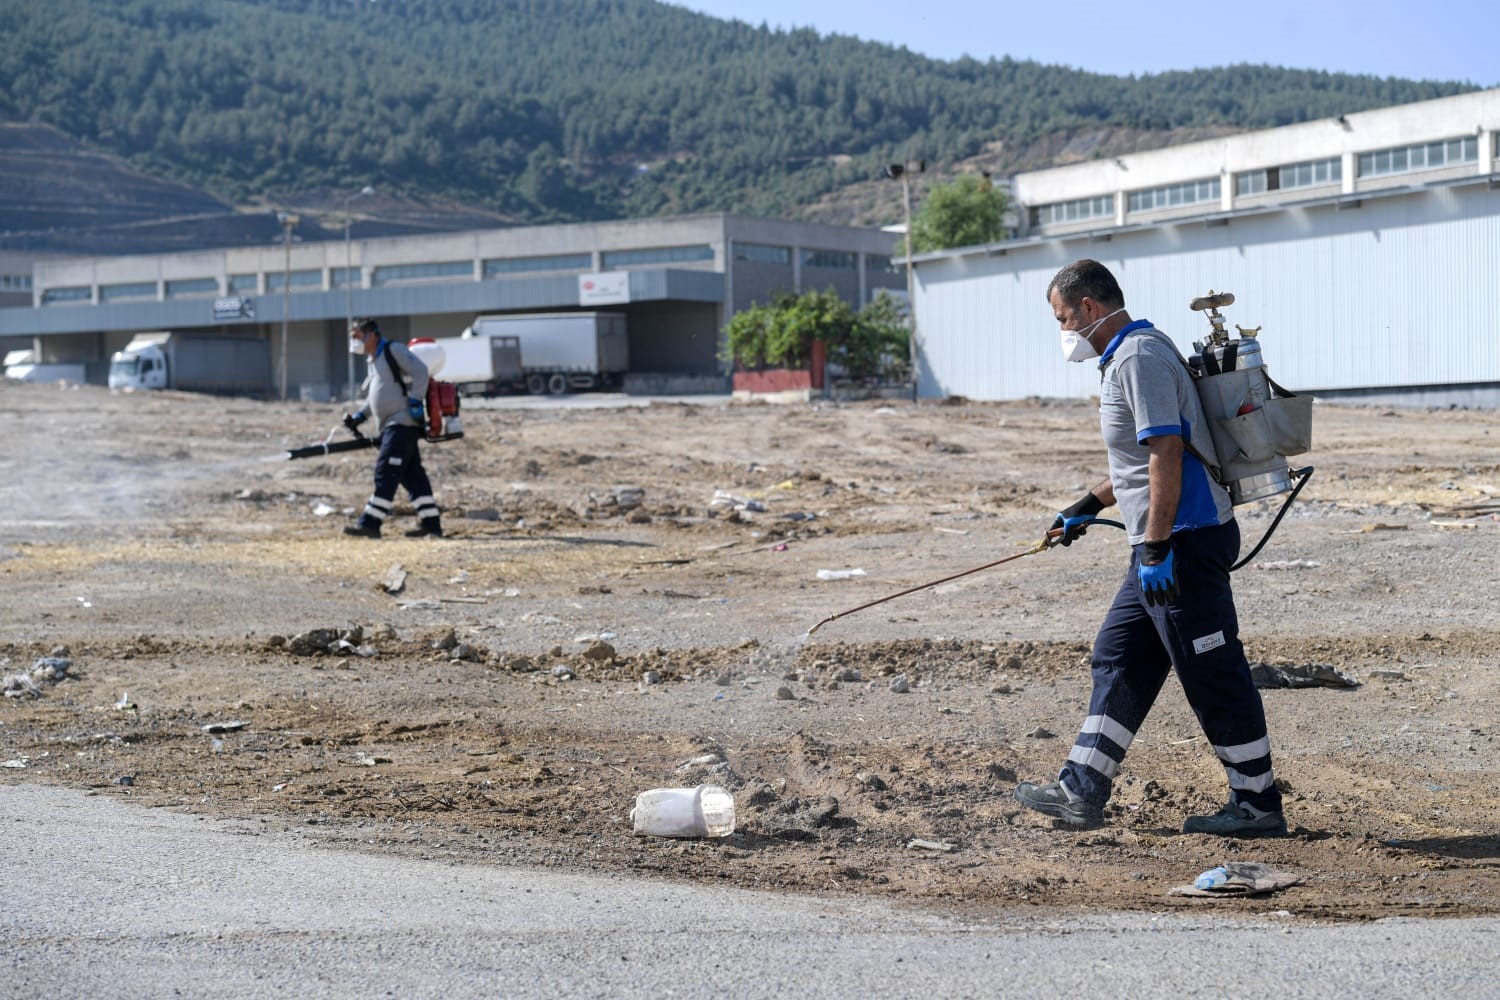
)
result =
(570, 644)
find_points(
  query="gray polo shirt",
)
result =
(1145, 391)
(384, 399)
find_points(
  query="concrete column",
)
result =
(1122, 199)
(1350, 162)
(1486, 151)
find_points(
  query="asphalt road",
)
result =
(106, 899)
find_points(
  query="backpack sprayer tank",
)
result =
(1255, 423)
(443, 422)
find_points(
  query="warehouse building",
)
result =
(677, 280)
(1366, 247)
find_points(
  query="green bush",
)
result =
(868, 344)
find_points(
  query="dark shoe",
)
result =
(1237, 821)
(361, 531)
(1052, 800)
(423, 530)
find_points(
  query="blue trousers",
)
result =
(1197, 634)
(399, 464)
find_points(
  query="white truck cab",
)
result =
(141, 365)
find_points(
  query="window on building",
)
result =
(1424, 156)
(833, 260)
(126, 291)
(879, 263)
(448, 270)
(1078, 210)
(496, 267)
(15, 282)
(1294, 175)
(1174, 195)
(183, 288)
(302, 281)
(656, 255)
(344, 277)
(761, 253)
(243, 284)
(63, 296)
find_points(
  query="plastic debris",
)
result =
(1238, 878)
(839, 574)
(225, 727)
(918, 844)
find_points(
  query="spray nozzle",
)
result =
(1210, 304)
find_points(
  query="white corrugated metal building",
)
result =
(1366, 247)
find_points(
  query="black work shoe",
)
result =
(424, 530)
(1052, 800)
(1237, 821)
(361, 531)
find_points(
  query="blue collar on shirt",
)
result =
(1119, 338)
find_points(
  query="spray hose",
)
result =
(1051, 538)
(1054, 536)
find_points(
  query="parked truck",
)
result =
(23, 367)
(194, 362)
(562, 351)
(482, 365)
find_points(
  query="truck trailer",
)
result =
(563, 351)
(193, 362)
(482, 365)
(23, 367)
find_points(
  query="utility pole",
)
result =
(902, 172)
(349, 283)
(288, 221)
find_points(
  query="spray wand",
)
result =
(1050, 539)
(330, 446)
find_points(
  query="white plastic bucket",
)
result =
(705, 811)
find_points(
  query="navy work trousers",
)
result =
(1197, 633)
(399, 464)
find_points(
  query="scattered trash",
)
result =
(1390, 675)
(85, 602)
(125, 704)
(17, 762)
(1301, 675)
(366, 760)
(918, 844)
(952, 531)
(323, 510)
(704, 811)
(462, 576)
(900, 685)
(225, 727)
(1238, 878)
(562, 672)
(651, 677)
(1285, 564)
(798, 516)
(839, 574)
(345, 646)
(394, 580)
(723, 498)
(126, 780)
(702, 760)
(420, 605)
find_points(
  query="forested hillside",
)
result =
(567, 109)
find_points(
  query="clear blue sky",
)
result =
(1436, 40)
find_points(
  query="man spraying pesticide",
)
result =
(396, 386)
(1175, 608)
(1187, 439)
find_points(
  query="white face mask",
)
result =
(1075, 343)
(357, 346)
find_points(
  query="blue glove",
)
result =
(415, 411)
(1157, 573)
(1075, 520)
(353, 420)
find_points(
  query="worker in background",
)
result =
(1174, 608)
(395, 387)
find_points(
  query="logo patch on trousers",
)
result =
(1208, 642)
